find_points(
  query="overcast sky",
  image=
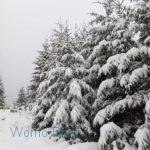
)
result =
(23, 26)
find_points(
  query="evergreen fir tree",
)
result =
(111, 33)
(2, 97)
(21, 99)
(63, 97)
(123, 93)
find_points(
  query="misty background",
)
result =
(23, 27)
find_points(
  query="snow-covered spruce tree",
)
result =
(142, 15)
(21, 99)
(39, 72)
(125, 90)
(64, 99)
(111, 33)
(2, 97)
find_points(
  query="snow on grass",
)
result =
(23, 120)
(84, 146)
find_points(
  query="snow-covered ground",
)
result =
(22, 120)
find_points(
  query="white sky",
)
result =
(23, 26)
